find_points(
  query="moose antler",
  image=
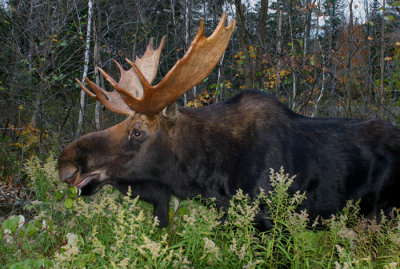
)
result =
(201, 57)
(148, 65)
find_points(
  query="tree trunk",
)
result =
(317, 49)
(219, 78)
(85, 67)
(368, 76)
(188, 17)
(348, 82)
(97, 62)
(261, 31)
(38, 96)
(307, 30)
(279, 50)
(247, 68)
(292, 101)
(382, 58)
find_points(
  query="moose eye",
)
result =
(137, 134)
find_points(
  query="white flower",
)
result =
(72, 239)
(7, 236)
(21, 221)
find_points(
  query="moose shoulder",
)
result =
(163, 150)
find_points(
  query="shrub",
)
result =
(110, 230)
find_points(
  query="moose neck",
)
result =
(205, 149)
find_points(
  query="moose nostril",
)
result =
(68, 173)
(70, 180)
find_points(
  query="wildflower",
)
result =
(242, 252)
(233, 246)
(339, 250)
(252, 264)
(395, 237)
(182, 263)
(349, 234)
(74, 251)
(124, 263)
(156, 222)
(60, 257)
(7, 236)
(21, 221)
(72, 239)
(152, 246)
(392, 265)
(315, 222)
(190, 220)
(210, 247)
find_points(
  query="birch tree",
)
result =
(85, 67)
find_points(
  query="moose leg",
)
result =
(152, 192)
(161, 210)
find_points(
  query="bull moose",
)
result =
(162, 150)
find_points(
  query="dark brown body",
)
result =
(216, 150)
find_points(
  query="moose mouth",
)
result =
(86, 180)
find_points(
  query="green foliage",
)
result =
(109, 230)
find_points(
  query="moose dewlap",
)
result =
(162, 150)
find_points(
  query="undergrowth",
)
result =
(110, 230)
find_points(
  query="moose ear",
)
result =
(170, 111)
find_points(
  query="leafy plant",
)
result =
(109, 230)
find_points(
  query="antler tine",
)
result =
(201, 57)
(111, 100)
(87, 91)
(129, 86)
(121, 69)
(151, 56)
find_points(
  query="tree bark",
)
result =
(85, 67)
(188, 17)
(97, 62)
(292, 101)
(247, 68)
(382, 58)
(279, 50)
(261, 31)
(307, 29)
(348, 82)
(38, 97)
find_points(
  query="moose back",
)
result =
(162, 150)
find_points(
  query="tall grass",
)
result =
(109, 230)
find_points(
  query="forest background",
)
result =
(322, 58)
